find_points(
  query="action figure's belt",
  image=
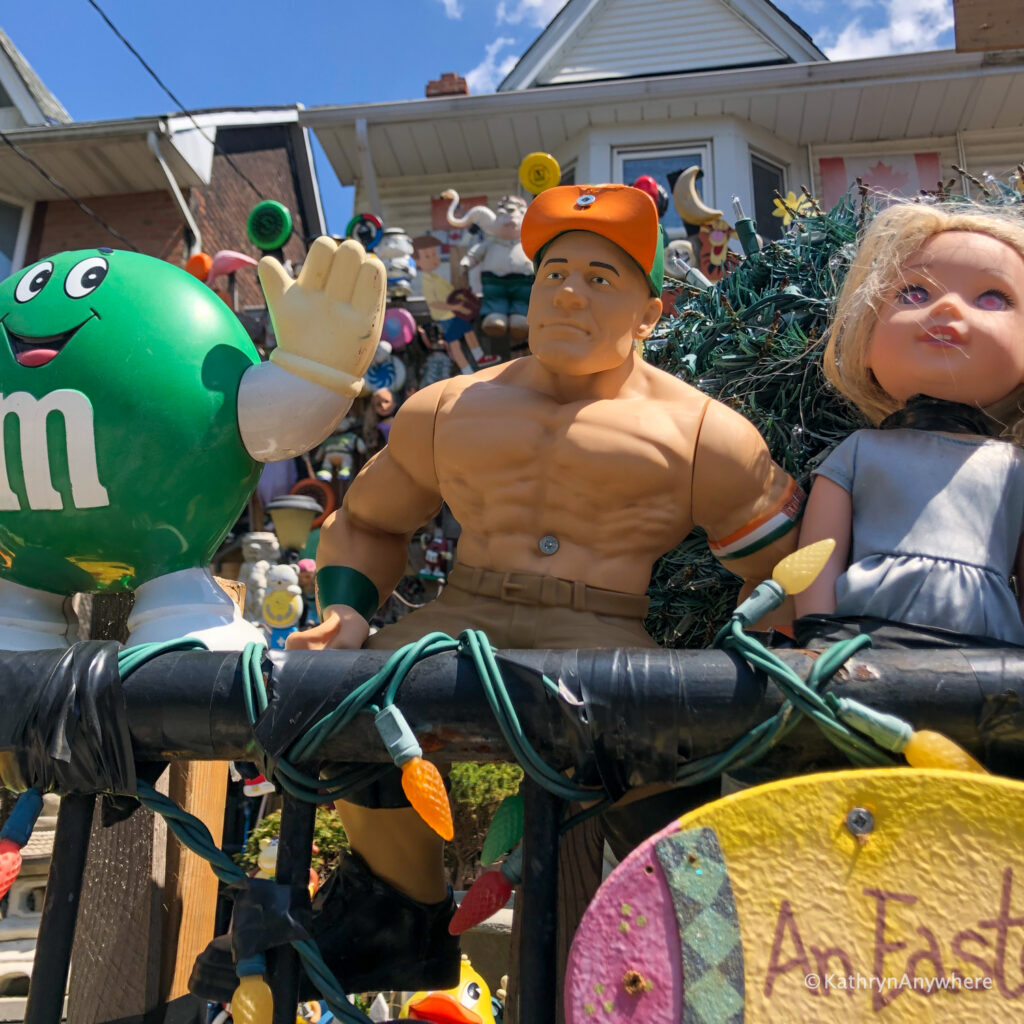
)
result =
(547, 591)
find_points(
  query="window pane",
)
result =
(767, 180)
(10, 219)
(659, 168)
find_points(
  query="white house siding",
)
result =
(649, 37)
(997, 153)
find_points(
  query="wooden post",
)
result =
(115, 961)
(116, 956)
(580, 862)
(190, 887)
(988, 25)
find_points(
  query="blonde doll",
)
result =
(927, 510)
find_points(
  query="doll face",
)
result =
(429, 258)
(954, 326)
(588, 302)
(383, 402)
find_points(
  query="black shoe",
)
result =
(370, 935)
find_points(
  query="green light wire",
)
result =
(194, 835)
(382, 688)
(803, 699)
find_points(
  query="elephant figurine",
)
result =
(506, 273)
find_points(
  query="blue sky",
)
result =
(343, 51)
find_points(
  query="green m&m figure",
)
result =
(134, 418)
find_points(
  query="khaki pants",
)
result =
(536, 613)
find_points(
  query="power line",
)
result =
(78, 202)
(175, 100)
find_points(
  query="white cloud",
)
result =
(490, 71)
(909, 26)
(533, 12)
(452, 8)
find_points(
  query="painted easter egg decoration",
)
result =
(884, 889)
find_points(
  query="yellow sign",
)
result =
(896, 893)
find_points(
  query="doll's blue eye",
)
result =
(994, 300)
(912, 295)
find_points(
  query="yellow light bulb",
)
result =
(424, 787)
(252, 1002)
(799, 570)
(927, 749)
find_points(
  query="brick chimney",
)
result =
(449, 84)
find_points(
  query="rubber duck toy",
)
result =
(468, 1003)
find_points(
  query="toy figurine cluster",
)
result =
(136, 414)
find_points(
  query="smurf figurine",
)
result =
(137, 415)
(927, 508)
(396, 250)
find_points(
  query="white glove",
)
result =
(329, 319)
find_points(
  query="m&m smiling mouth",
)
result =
(29, 350)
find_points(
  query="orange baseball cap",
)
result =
(622, 214)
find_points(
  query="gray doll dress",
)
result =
(937, 520)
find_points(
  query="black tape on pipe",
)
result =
(268, 915)
(64, 726)
(634, 729)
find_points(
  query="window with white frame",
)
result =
(13, 229)
(664, 164)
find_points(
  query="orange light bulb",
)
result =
(424, 788)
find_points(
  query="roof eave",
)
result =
(937, 64)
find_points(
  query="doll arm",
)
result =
(829, 513)
(394, 494)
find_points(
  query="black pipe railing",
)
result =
(626, 713)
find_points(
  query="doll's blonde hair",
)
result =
(876, 273)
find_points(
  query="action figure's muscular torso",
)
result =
(554, 471)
